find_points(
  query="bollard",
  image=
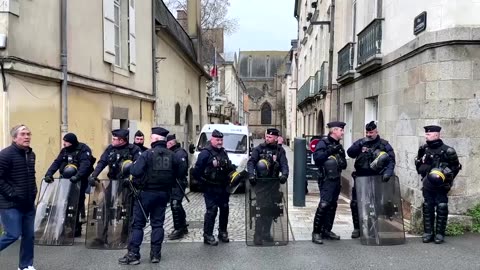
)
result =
(300, 171)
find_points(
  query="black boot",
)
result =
(155, 257)
(257, 237)
(210, 240)
(442, 217)
(428, 223)
(317, 226)
(223, 224)
(355, 219)
(223, 236)
(178, 220)
(130, 258)
(329, 220)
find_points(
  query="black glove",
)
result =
(386, 178)
(283, 179)
(253, 180)
(421, 152)
(74, 179)
(48, 179)
(92, 180)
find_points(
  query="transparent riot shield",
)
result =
(266, 213)
(380, 211)
(56, 213)
(109, 211)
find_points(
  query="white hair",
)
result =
(14, 131)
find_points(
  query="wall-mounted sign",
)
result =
(11, 6)
(420, 23)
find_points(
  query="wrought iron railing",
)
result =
(307, 90)
(369, 41)
(345, 59)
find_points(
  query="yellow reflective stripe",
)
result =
(439, 173)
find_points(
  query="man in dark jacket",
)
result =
(139, 140)
(80, 156)
(178, 213)
(17, 194)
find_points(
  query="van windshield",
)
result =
(233, 143)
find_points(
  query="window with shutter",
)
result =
(131, 36)
(109, 31)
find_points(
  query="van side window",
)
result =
(202, 142)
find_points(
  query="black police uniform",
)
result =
(178, 213)
(438, 165)
(267, 184)
(214, 181)
(364, 152)
(329, 156)
(154, 174)
(140, 145)
(79, 155)
(113, 157)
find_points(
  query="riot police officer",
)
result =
(139, 140)
(367, 152)
(329, 156)
(154, 173)
(212, 169)
(438, 165)
(178, 190)
(266, 163)
(118, 157)
(75, 161)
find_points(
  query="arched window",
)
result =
(266, 116)
(177, 114)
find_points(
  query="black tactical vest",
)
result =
(217, 175)
(340, 157)
(271, 155)
(115, 159)
(362, 162)
(160, 173)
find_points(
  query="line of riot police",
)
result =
(376, 203)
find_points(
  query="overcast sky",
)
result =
(262, 25)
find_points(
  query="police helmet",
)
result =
(69, 171)
(125, 169)
(436, 177)
(235, 179)
(380, 161)
(263, 168)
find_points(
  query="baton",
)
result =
(183, 191)
(135, 194)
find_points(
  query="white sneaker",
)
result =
(28, 268)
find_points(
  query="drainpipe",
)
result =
(154, 65)
(5, 106)
(330, 61)
(63, 63)
(200, 101)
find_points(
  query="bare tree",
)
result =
(214, 14)
(214, 22)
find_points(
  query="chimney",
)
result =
(182, 19)
(194, 26)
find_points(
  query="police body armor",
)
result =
(373, 161)
(70, 163)
(116, 162)
(439, 174)
(218, 175)
(160, 174)
(332, 167)
(268, 166)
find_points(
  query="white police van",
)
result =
(236, 141)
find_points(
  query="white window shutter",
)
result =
(131, 36)
(108, 31)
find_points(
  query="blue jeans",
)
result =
(15, 224)
(155, 204)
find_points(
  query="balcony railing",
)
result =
(370, 42)
(320, 79)
(307, 90)
(345, 63)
